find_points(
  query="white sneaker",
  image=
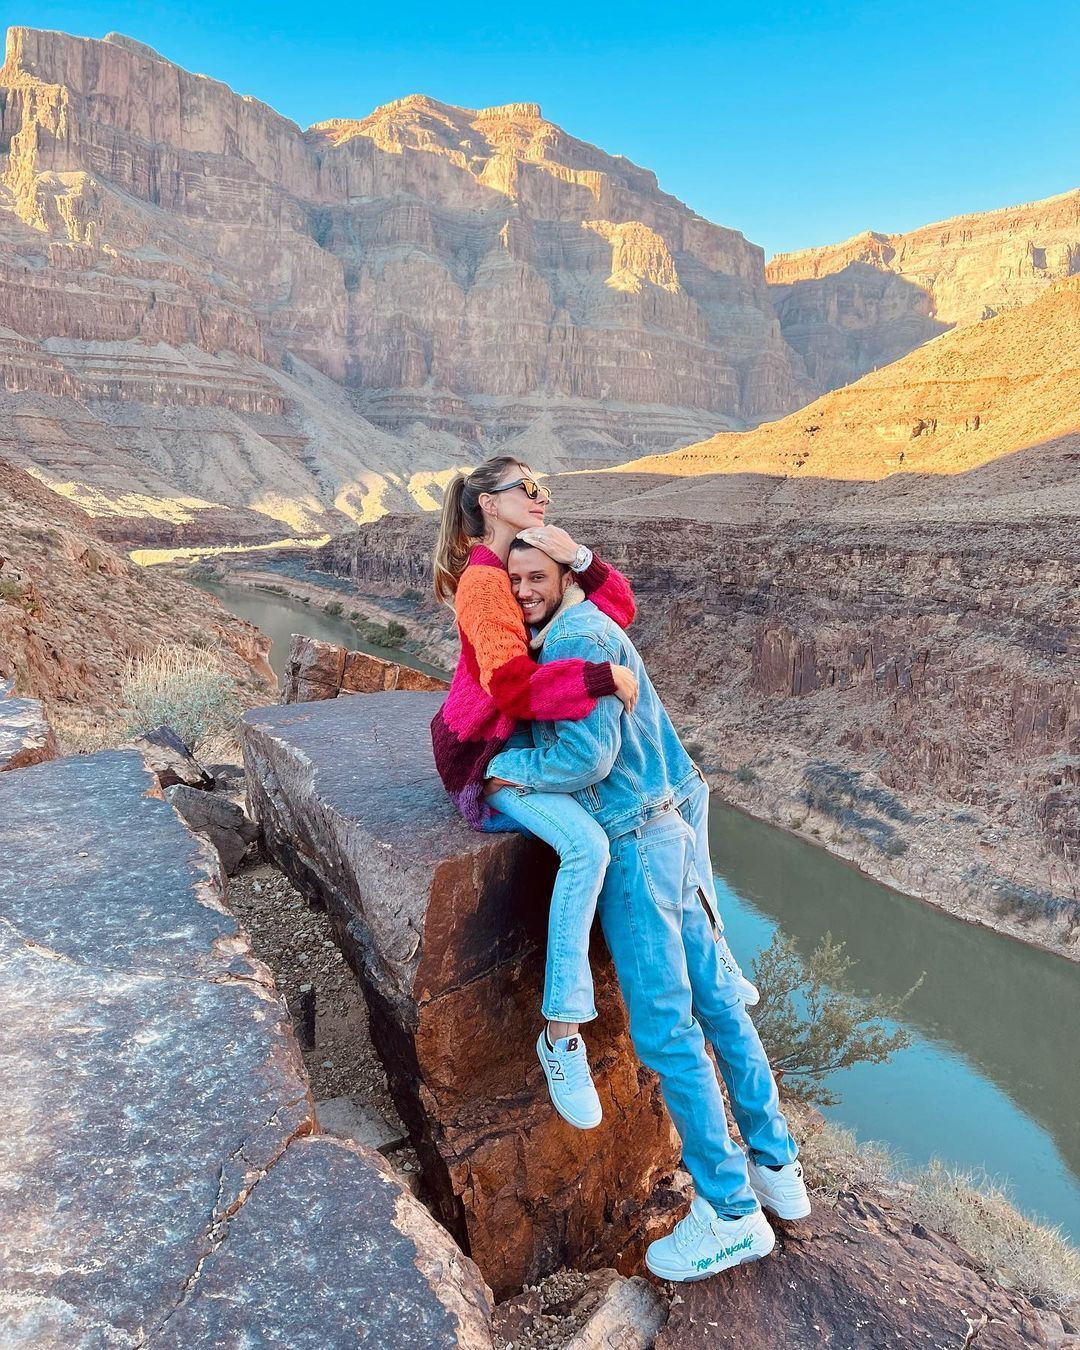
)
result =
(783, 1192)
(746, 991)
(703, 1244)
(570, 1084)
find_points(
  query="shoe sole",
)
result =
(577, 1124)
(706, 1274)
(788, 1212)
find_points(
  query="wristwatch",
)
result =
(582, 559)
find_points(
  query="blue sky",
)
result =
(798, 125)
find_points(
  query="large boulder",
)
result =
(447, 930)
(317, 670)
(25, 734)
(157, 1184)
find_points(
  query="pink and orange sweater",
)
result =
(497, 683)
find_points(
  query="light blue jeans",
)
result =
(583, 851)
(670, 958)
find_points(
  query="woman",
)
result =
(496, 686)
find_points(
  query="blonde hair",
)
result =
(462, 521)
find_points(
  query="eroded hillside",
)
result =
(73, 609)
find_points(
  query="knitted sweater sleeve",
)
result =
(609, 591)
(489, 618)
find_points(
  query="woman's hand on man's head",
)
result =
(556, 543)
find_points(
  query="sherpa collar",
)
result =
(573, 596)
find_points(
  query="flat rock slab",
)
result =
(352, 1118)
(854, 1277)
(25, 734)
(148, 1068)
(447, 929)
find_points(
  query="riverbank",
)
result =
(779, 800)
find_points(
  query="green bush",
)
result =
(185, 691)
(745, 774)
(334, 608)
(812, 1024)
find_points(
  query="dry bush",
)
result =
(835, 1161)
(187, 691)
(1019, 1253)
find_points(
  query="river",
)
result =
(279, 616)
(991, 1080)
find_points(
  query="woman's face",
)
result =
(515, 507)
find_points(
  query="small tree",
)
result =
(812, 1024)
(181, 689)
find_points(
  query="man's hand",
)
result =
(494, 784)
(556, 543)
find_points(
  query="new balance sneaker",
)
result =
(782, 1190)
(703, 1244)
(746, 991)
(570, 1084)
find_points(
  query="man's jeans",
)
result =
(583, 850)
(669, 958)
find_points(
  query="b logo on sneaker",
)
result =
(572, 1044)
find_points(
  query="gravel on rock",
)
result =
(297, 943)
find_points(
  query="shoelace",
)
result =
(688, 1231)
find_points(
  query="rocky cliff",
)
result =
(850, 308)
(73, 609)
(204, 307)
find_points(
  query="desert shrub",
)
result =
(836, 1161)
(187, 692)
(412, 597)
(335, 608)
(10, 589)
(745, 774)
(1018, 1252)
(395, 633)
(811, 1022)
(895, 847)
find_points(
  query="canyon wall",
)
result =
(850, 308)
(905, 695)
(205, 309)
(867, 613)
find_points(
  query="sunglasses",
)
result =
(532, 489)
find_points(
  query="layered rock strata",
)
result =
(210, 313)
(852, 307)
(447, 930)
(160, 1156)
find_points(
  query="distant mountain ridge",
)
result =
(852, 307)
(203, 306)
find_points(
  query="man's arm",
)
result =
(585, 750)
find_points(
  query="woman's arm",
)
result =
(491, 621)
(606, 587)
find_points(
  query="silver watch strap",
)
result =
(582, 560)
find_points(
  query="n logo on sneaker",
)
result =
(556, 1070)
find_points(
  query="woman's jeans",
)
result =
(583, 851)
(670, 959)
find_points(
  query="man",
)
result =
(659, 917)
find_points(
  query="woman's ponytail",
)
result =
(462, 522)
(452, 548)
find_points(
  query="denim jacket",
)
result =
(623, 769)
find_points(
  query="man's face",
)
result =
(538, 583)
